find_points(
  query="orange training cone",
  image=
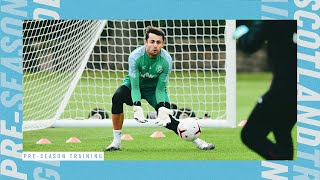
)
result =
(242, 123)
(43, 141)
(73, 140)
(157, 134)
(126, 137)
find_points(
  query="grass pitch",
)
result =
(143, 147)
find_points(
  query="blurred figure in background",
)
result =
(276, 110)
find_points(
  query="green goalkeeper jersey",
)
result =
(146, 74)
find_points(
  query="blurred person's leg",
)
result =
(259, 125)
(284, 143)
(287, 117)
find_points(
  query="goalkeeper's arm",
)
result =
(135, 91)
(134, 80)
(161, 91)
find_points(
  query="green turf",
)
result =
(227, 141)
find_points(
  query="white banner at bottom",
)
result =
(63, 156)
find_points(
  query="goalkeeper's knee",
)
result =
(117, 104)
(121, 96)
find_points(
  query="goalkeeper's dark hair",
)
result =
(154, 30)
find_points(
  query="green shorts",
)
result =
(150, 96)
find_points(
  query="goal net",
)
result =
(71, 67)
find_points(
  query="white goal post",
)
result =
(71, 67)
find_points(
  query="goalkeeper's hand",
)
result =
(138, 114)
(163, 116)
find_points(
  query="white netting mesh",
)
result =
(54, 56)
(54, 50)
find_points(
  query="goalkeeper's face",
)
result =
(153, 45)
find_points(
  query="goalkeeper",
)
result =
(149, 69)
